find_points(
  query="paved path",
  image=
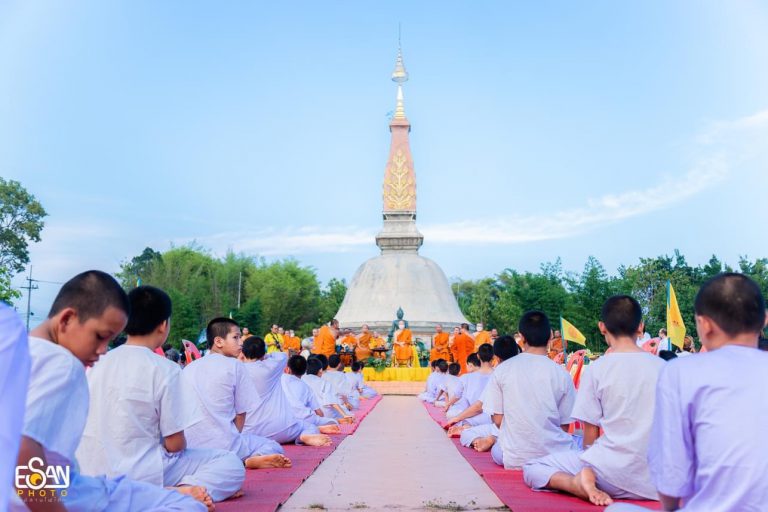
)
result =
(398, 458)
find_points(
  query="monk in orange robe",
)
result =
(481, 336)
(403, 345)
(463, 345)
(439, 345)
(378, 342)
(555, 345)
(363, 349)
(325, 341)
(291, 343)
(349, 340)
(456, 332)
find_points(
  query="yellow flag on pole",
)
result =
(571, 333)
(675, 324)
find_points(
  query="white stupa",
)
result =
(399, 278)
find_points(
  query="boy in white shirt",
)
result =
(452, 388)
(304, 403)
(474, 384)
(90, 310)
(614, 395)
(324, 392)
(225, 393)
(137, 400)
(273, 416)
(530, 399)
(334, 374)
(358, 382)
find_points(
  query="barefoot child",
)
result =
(531, 398)
(225, 393)
(90, 310)
(452, 388)
(324, 392)
(483, 435)
(474, 383)
(614, 395)
(706, 450)
(302, 399)
(138, 414)
(273, 417)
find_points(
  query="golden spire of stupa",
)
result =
(399, 76)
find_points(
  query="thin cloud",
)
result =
(721, 147)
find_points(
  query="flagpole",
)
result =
(565, 343)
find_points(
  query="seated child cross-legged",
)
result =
(615, 395)
(225, 393)
(89, 311)
(706, 450)
(273, 416)
(530, 399)
(138, 413)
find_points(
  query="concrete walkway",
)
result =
(398, 458)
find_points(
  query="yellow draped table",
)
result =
(396, 374)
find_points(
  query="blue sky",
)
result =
(540, 129)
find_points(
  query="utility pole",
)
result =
(29, 289)
(239, 288)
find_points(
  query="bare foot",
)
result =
(267, 461)
(238, 494)
(456, 430)
(315, 440)
(330, 429)
(483, 444)
(585, 483)
(347, 419)
(199, 493)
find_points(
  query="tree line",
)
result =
(258, 294)
(578, 296)
(255, 293)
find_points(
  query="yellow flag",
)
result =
(571, 333)
(675, 324)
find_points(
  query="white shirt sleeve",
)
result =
(567, 399)
(246, 395)
(493, 403)
(588, 407)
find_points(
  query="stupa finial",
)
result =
(399, 76)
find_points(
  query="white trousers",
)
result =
(221, 472)
(538, 472)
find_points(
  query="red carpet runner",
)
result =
(509, 486)
(266, 489)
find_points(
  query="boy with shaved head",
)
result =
(224, 392)
(613, 396)
(706, 450)
(90, 310)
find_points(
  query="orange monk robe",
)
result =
(363, 349)
(404, 353)
(292, 343)
(481, 338)
(555, 347)
(463, 345)
(439, 347)
(325, 343)
(349, 340)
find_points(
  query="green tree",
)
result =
(21, 222)
(7, 293)
(288, 293)
(138, 268)
(330, 300)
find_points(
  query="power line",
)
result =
(29, 289)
